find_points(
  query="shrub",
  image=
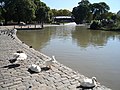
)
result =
(95, 25)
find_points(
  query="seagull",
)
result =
(50, 62)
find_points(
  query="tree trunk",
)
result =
(42, 24)
(6, 22)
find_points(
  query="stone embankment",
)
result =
(18, 77)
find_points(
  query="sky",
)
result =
(69, 4)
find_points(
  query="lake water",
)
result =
(90, 52)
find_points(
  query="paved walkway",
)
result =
(15, 77)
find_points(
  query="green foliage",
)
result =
(0, 13)
(54, 12)
(42, 12)
(23, 10)
(111, 21)
(98, 9)
(86, 11)
(80, 13)
(18, 10)
(95, 25)
(61, 12)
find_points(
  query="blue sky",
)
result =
(69, 4)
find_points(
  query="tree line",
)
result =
(98, 13)
(28, 11)
(85, 11)
(23, 10)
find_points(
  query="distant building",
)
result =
(63, 19)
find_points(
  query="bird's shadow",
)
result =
(11, 66)
(78, 87)
(45, 68)
(87, 86)
(12, 60)
(31, 72)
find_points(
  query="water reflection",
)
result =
(38, 39)
(85, 38)
(80, 35)
(75, 46)
(61, 31)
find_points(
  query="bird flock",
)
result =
(48, 64)
(8, 32)
(20, 55)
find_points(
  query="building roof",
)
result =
(58, 17)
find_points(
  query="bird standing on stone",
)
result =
(50, 62)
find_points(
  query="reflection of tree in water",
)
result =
(37, 39)
(85, 37)
(40, 38)
(61, 31)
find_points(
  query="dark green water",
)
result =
(90, 52)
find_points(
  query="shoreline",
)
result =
(18, 78)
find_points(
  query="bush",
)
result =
(95, 25)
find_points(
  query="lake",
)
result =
(90, 52)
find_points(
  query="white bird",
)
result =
(14, 31)
(20, 56)
(35, 68)
(93, 81)
(50, 62)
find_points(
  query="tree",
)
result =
(25, 10)
(5, 10)
(80, 13)
(95, 25)
(118, 13)
(54, 11)
(86, 11)
(99, 9)
(1, 9)
(63, 12)
(18, 10)
(50, 16)
(42, 12)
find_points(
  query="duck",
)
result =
(35, 68)
(50, 62)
